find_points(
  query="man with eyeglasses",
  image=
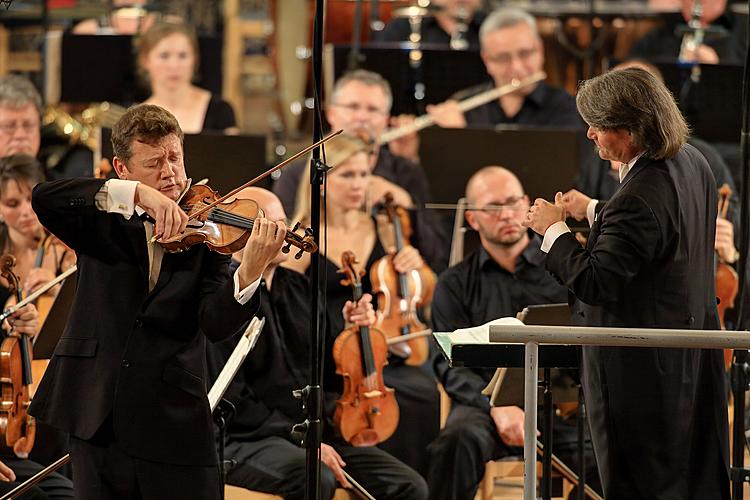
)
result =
(20, 112)
(499, 279)
(511, 48)
(360, 104)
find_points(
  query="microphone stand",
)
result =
(355, 55)
(739, 375)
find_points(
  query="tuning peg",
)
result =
(296, 226)
(308, 231)
(299, 254)
(286, 248)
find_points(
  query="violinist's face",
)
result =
(170, 64)
(16, 211)
(500, 225)
(19, 130)
(359, 107)
(513, 52)
(348, 183)
(159, 165)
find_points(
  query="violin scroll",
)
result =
(305, 243)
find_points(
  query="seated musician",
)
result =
(511, 49)
(352, 228)
(452, 20)
(502, 277)
(127, 380)
(361, 104)
(267, 457)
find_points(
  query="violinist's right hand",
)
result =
(262, 247)
(170, 219)
(447, 114)
(6, 473)
(575, 203)
(509, 424)
(333, 460)
(25, 320)
(38, 277)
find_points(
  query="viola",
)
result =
(15, 378)
(727, 281)
(225, 226)
(400, 295)
(367, 412)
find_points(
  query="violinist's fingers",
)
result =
(333, 461)
(37, 277)
(407, 259)
(6, 473)
(25, 320)
(280, 233)
(183, 220)
(20, 448)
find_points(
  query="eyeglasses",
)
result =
(354, 107)
(496, 209)
(505, 58)
(10, 127)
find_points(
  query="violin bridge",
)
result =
(373, 394)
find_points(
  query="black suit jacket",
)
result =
(136, 355)
(658, 416)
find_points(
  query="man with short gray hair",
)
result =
(20, 116)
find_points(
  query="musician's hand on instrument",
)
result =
(408, 259)
(543, 214)
(333, 460)
(21, 448)
(362, 313)
(379, 186)
(447, 114)
(6, 473)
(575, 204)
(38, 277)
(509, 424)
(408, 145)
(724, 242)
(262, 247)
(170, 219)
(25, 320)
(703, 55)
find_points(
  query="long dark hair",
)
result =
(19, 169)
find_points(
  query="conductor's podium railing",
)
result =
(533, 336)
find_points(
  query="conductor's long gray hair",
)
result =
(634, 100)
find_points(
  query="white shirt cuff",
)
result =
(117, 196)
(591, 211)
(552, 233)
(244, 296)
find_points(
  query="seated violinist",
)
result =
(267, 457)
(351, 227)
(499, 279)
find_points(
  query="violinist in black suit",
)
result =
(127, 380)
(658, 416)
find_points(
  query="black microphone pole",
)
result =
(740, 366)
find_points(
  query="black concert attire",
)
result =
(398, 30)
(658, 417)
(128, 378)
(429, 239)
(471, 293)
(219, 115)
(416, 389)
(546, 106)
(259, 442)
(663, 43)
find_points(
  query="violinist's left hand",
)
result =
(724, 242)
(38, 277)
(379, 187)
(408, 259)
(25, 320)
(361, 313)
(263, 245)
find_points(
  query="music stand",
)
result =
(544, 159)
(227, 161)
(96, 68)
(57, 318)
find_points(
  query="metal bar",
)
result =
(529, 424)
(623, 337)
(547, 412)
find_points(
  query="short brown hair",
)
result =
(143, 122)
(158, 32)
(634, 100)
(21, 169)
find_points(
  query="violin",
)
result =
(401, 294)
(15, 378)
(225, 226)
(367, 412)
(727, 281)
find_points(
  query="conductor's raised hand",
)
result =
(170, 219)
(575, 204)
(263, 245)
(542, 214)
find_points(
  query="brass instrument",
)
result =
(82, 128)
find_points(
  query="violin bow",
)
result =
(26, 485)
(31, 298)
(265, 174)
